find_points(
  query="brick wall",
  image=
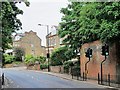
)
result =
(93, 67)
(57, 69)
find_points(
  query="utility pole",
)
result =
(48, 51)
(89, 55)
(105, 52)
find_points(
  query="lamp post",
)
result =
(48, 53)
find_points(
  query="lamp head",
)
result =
(40, 24)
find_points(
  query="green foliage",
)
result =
(73, 66)
(17, 62)
(43, 66)
(19, 52)
(58, 56)
(8, 58)
(41, 59)
(10, 22)
(85, 22)
(67, 65)
(109, 21)
(29, 59)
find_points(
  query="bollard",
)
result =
(98, 78)
(72, 75)
(3, 79)
(109, 79)
(83, 76)
(72, 72)
(77, 75)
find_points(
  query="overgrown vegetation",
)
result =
(9, 58)
(67, 66)
(43, 66)
(9, 22)
(85, 22)
(31, 60)
(19, 52)
(72, 67)
(59, 56)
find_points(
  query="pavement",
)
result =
(69, 77)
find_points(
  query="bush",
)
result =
(29, 59)
(41, 59)
(75, 70)
(8, 58)
(58, 56)
(43, 66)
(17, 62)
(19, 52)
(67, 65)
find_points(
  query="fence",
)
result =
(57, 69)
(109, 80)
(75, 72)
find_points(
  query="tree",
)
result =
(9, 21)
(90, 21)
(41, 59)
(58, 56)
(75, 25)
(19, 52)
(108, 17)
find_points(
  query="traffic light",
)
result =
(88, 53)
(48, 55)
(105, 50)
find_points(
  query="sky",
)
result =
(46, 12)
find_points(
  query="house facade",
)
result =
(31, 44)
(53, 40)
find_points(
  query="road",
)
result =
(33, 79)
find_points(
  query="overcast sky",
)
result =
(41, 11)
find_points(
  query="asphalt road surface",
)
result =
(33, 79)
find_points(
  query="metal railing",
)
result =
(109, 80)
(75, 73)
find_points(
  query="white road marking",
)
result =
(18, 86)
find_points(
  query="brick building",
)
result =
(31, 44)
(110, 66)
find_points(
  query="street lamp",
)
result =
(48, 54)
